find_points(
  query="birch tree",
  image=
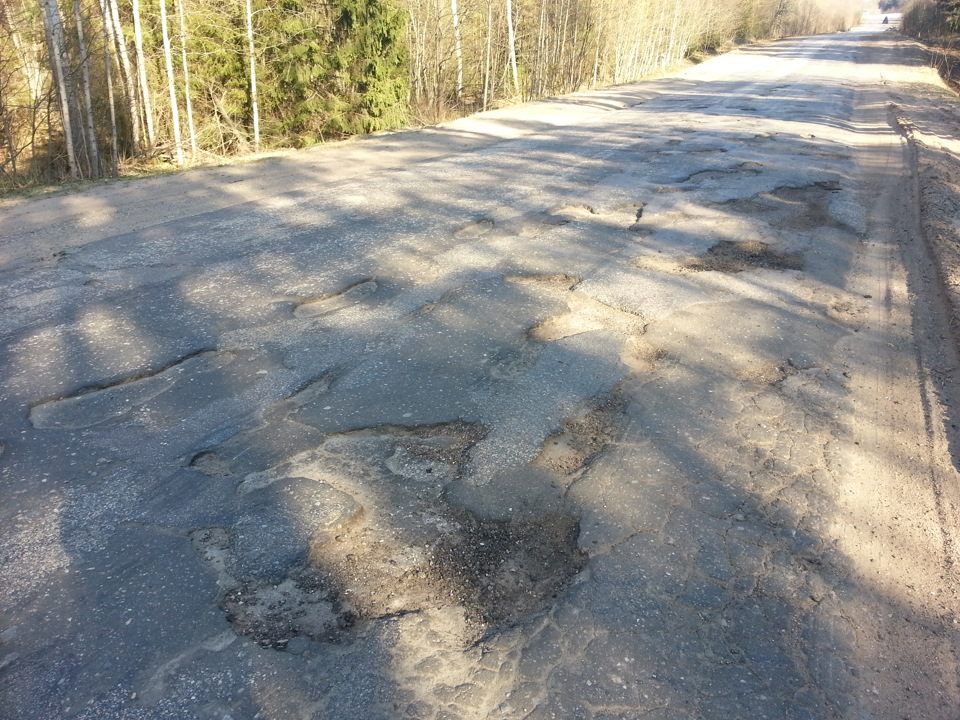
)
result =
(171, 85)
(253, 79)
(512, 40)
(117, 39)
(142, 74)
(53, 28)
(186, 80)
(108, 74)
(92, 147)
(458, 47)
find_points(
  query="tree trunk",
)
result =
(596, 52)
(30, 66)
(511, 38)
(253, 80)
(536, 86)
(142, 73)
(54, 32)
(417, 53)
(486, 65)
(115, 153)
(95, 169)
(116, 31)
(8, 134)
(168, 59)
(673, 34)
(186, 80)
(457, 47)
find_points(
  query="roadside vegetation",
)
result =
(936, 23)
(94, 88)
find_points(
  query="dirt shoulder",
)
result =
(928, 118)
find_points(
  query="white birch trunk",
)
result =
(511, 38)
(486, 64)
(94, 150)
(186, 80)
(28, 60)
(142, 74)
(457, 47)
(115, 152)
(253, 80)
(168, 59)
(116, 31)
(54, 31)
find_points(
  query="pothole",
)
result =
(500, 571)
(641, 356)
(210, 464)
(581, 438)
(577, 210)
(497, 572)
(365, 533)
(559, 281)
(767, 373)
(326, 304)
(474, 230)
(562, 326)
(533, 224)
(637, 211)
(796, 208)
(302, 605)
(744, 168)
(115, 401)
(732, 256)
(438, 451)
(511, 363)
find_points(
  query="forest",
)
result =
(97, 88)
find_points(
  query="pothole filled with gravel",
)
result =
(359, 531)
(501, 571)
(496, 571)
(731, 256)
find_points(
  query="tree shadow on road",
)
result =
(291, 521)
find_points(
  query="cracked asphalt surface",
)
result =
(630, 404)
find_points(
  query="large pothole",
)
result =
(797, 208)
(497, 572)
(731, 256)
(500, 571)
(402, 548)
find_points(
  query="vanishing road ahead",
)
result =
(615, 406)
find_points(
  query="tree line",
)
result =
(932, 19)
(89, 88)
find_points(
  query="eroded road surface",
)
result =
(614, 406)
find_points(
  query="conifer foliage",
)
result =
(91, 87)
(368, 62)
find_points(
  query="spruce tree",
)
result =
(369, 62)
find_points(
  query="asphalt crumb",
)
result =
(408, 549)
(582, 437)
(304, 604)
(500, 571)
(731, 256)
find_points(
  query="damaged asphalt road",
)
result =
(615, 407)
